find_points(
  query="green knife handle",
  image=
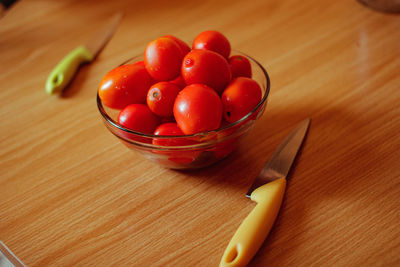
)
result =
(256, 226)
(63, 73)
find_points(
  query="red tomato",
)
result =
(163, 58)
(184, 46)
(179, 82)
(206, 67)
(140, 63)
(240, 66)
(223, 149)
(214, 41)
(139, 118)
(240, 97)
(224, 123)
(170, 128)
(124, 85)
(167, 119)
(181, 157)
(161, 98)
(197, 108)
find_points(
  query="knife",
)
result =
(267, 191)
(63, 73)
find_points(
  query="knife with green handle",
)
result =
(267, 191)
(63, 73)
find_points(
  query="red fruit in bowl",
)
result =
(240, 97)
(184, 46)
(197, 108)
(240, 66)
(138, 118)
(140, 63)
(124, 85)
(206, 67)
(214, 41)
(223, 149)
(182, 157)
(179, 82)
(161, 97)
(163, 58)
(172, 129)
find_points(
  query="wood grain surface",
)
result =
(72, 195)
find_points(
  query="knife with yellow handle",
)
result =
(267, 191)
(63, 73)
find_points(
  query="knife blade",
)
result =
(65, 70)
(267, 191)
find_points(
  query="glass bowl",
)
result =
(209, 147)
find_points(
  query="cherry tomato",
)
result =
(170, 128)
(240, 66)
(139, 118)
(214, 41)
(229, 138)
(197, 108)
(206, 67)
(240, 97)
(140, 63)
(184, 46)
(179, 82)
(163, 58)
(224, 123)
(167, 119)
(124, 85)
(161, 98)
(225, 148)
(181, 157)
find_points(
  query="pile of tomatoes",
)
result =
(178, 90)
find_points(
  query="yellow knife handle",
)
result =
(63, 73)
(255, 227)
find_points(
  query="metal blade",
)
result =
(280, 162)
(103, 35)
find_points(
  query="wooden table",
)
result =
(72, 194)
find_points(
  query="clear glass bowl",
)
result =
(209, 147)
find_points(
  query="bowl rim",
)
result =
(200, 134)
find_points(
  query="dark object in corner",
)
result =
(7, 3)
(387, 6)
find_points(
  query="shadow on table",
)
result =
(242, 166)
(327, 171)
(319, 158)
(76, 84)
